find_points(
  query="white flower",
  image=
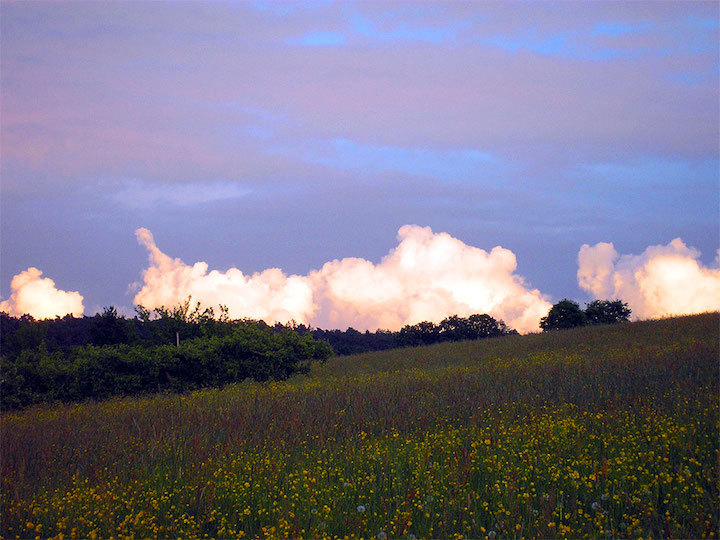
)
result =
(491, 535)
(595, 506)
(382, 536)
(361, 508)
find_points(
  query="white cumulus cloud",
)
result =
(37, 296)
(269, 295)
(428, 276)
(663, 280)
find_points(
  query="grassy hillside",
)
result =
(598, 431)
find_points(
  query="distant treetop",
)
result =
(567, 314)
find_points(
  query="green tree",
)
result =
(422, 333)
(564, 314)
(108, 328)
(607, 312)
(483, 325)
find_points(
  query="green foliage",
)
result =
(34, 375)
(564, 314)
(422, 333)
(165, 325)
(452, 328)
(71, 359)
(476, 326)
(108, 328)
(607, 312)
(222, 353)
(567, 314)
(19, 333)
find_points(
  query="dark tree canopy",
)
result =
(564, 314)
(567, 314)
(108, 328)
(452, 328)
(607, 312)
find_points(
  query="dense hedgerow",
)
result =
(251, 350)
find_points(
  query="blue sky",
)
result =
(258, 135)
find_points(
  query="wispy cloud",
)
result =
(358, 26)
(386, 29)
(443, 164)
(654, 170)
(549, 45)
(318, 39)
(144, 195)
(610, 40)
(702, 23)
(618, 28)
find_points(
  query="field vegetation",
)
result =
(598, 431)
(71, 359)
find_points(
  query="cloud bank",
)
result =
(38, 297)
(269, 295)
(428, 276)
(663, 280)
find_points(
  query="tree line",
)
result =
(452, 328)
(186, 347)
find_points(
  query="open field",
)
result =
(594, 432)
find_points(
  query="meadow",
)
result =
(599, 431)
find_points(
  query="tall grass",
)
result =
(598, 431)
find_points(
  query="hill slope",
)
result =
(594, 431)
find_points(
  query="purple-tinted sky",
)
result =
(264, 134)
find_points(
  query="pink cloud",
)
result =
(663, 280)
(428, 276)
(37, 296)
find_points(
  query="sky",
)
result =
(365, 164)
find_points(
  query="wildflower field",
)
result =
(607, 431)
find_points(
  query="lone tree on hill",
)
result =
(607, 312)
(564, 314)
